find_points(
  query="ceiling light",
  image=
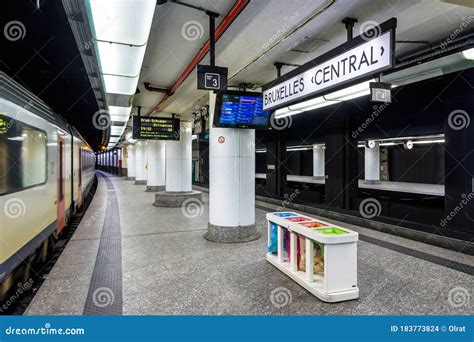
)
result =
(120, 110)
(121, 21)
(117, 59)
(468, 54)
(119, 118)
(119, 84)
(439, 141)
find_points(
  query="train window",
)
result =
(23, 156)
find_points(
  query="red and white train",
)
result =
(46, 170)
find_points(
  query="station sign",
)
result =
(211, 77)
(359, 59)
(153, 128)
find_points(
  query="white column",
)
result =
(231, 183)
(156, 163)
(125, 159)
(178, 161)
(318, 161)
(140, 174)
(372, 163)
(131, 172)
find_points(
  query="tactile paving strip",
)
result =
(105, 289)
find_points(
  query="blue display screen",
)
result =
(242, 110)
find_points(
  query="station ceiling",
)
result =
(301, 30)
(46, 60)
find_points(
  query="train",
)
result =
(46, 171)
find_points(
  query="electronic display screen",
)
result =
(153, 128)
(240, 110)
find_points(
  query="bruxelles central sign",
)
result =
(361, 57)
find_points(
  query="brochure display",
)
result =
(319, 256)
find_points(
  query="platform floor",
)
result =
(132, 258)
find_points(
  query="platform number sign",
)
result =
(211, 77)
(212, 81)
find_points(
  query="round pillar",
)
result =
(178, 178)
(156, 165)
(131, 172)
(140, 172)
(372, 164)
(231, 183)
(178, 161)
(318, 161)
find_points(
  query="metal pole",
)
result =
(212, 40)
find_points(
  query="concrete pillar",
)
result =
(372, 163)
(178, 161)
(125, 161)
(140, 172)
(231, 183)
(179, 192)
(156, 165)
(131, 162)
(318, 161)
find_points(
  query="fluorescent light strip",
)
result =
(355, 91)
(120, 110)
(119, 59)
(429, 141)
(120, 85)
(121, 21)
(119, 118)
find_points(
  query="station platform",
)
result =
(128, 257)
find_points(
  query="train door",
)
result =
(60, 200)
(79, 188)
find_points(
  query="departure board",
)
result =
(240, 110)
(152, 128)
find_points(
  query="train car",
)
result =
(46, 170)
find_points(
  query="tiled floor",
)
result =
(169, 268)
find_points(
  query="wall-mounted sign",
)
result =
(358, 59)
(153, 128)
(211, 77)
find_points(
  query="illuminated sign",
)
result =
(360, 58)
(153, 128)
